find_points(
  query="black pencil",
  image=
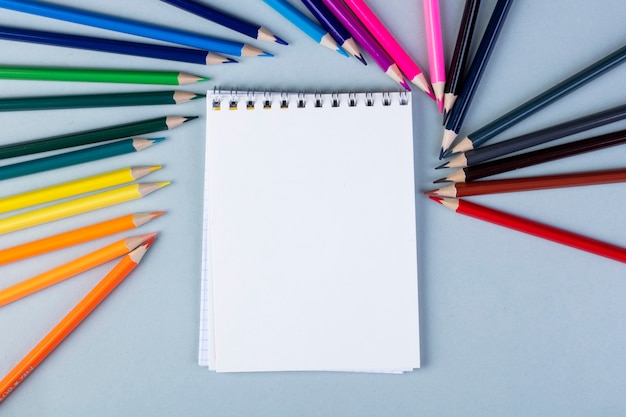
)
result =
(474, 74)
(544, 99)
(496, 150)
(511, 163)
(460, 57)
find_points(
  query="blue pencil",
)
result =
(172, 53)
(249, 29)
(133, 27)
(305, 24)
(334, 27)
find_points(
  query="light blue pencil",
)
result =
(306, 25)
(133, 27)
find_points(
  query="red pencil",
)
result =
(534, 228)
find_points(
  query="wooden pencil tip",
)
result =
(430, 192)
(142, 218)
(279, 41)
(435, 198)
(440, 180)
(444, 165)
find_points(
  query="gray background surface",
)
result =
(510, 324)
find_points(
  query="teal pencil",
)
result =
(75, 157)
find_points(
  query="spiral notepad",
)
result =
(310, 258)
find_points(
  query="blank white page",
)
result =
(311, 230)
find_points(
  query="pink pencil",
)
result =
(389, 43)
(435, 50)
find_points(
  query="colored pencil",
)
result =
(380, 32)
(132, 27)
(74, 188)
(88, 137)
(366, 40)
(149, 98)
(25, 367)
(98, 75)
(534, 228)
(76, 236)
(81, 156)
(71, 268)
(482, 135)
(78, 206)
(306, 25)
(335, 28)
(474, 74)
(146, 50)
(540, 156)
(460, 57)
(496, 150)
(432, 24)
(466, 189)
(227, 20)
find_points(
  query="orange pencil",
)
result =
(72, 268)
(26, 366)
(75, 237)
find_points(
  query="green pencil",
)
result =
(98, 75)
(96, 100)
(92, 136)
(81, 156)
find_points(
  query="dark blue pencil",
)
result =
(334, 27)
(171, 53)
(249, 29)
(474, 74)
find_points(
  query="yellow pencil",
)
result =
(78, 206)
(74, 188)
(72, 268)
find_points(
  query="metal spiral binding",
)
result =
(318, 100)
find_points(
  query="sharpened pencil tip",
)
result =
(361, 58)
(406, 86)
(441, 180)
(266, 54)
(279, 41)
(157, 140)
(188, 118)
(430, 192)
(444, 165)
(441, 153)
(230, 61)
(435, 198)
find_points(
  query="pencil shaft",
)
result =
(74, 207)
(119, 24)
(73, 188)
(496, 150)
(165, 52)
(548, 97)
(544, 155)
(327, 20)
(66, 159)
(478, 65)
(104, 287)
(542, 230)
(75, 237)
(540, 183)
(217, 16)
(70, 269)
(90, 75)
(86, 137)
(149, 98)
(432, 24)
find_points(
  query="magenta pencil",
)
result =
(384, 37)
(366, 40)
(435, 50)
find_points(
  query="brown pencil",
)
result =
(465, 189)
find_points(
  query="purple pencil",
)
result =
(366, 40)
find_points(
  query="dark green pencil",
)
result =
(100, 75)
(81, 156)
(97, 100)
(92, 136)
